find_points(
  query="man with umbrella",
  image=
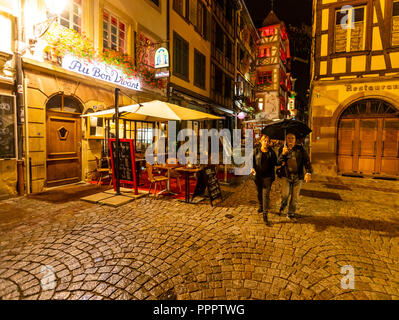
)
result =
(294, 161)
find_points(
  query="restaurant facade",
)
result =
(355, 88)
(72, 63)
(8, 122)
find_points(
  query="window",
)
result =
(219, 38)
(221, 3)
(114, 33)
(193, 7)
(218, 80)
(200, 18)
(395, 24)
(180, 56)
(95, 126)
(265, 78)
(181, 7)
(71, 17)
(227, 87)
(350, 36)
(229, 49)
(64, 103)
(8, 144)
(229, 11)
(199, 69)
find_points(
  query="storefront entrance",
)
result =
(368, 139)
(63, 140)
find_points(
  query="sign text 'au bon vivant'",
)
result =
(100, 71)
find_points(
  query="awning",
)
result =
(224, 111)
(155, 111)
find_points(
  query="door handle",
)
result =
(375, 148)
(353, 142)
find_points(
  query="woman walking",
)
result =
(264, 162)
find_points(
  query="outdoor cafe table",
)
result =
(169, 168)
(187, 173)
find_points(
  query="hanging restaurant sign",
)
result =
(161, 58)
(100, 71)
(159, 75)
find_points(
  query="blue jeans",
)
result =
(290, 187)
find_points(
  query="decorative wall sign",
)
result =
(100, 71)
(161, 58)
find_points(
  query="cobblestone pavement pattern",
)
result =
(165, 249)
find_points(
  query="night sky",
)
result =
(291, 12)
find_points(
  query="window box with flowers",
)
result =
(62, 41)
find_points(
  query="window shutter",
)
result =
(395, 24)
(193, 12)
(208, 25)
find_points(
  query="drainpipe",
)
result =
(168, 44)
(19, 89)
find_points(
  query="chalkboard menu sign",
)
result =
(7, 127)
(127, 165)
(212, 184)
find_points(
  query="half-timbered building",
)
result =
(272, 68)
(355, 87)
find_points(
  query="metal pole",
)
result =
(116, 167)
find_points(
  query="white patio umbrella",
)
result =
(155, 111)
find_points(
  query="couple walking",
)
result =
(295, 167)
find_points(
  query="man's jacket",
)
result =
(267, 168)
(302, 159)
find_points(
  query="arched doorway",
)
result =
(368, 138)
(63, 140)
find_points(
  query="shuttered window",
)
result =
(395, 24)
(199, 69)
(179, 7)
(193, 12)
(228, 89)
(349, 30)
(180, 56)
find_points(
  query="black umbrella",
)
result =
(279, 129)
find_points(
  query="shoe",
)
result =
(291, 217)
(260, 210)
(265, 219)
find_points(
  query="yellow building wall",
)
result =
(326, 99)
(195, 41)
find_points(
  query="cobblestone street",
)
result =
(166, 249)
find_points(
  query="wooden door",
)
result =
(367, 142)
(369, 146)
(390, 147)
(346, 141)
(63, 148)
